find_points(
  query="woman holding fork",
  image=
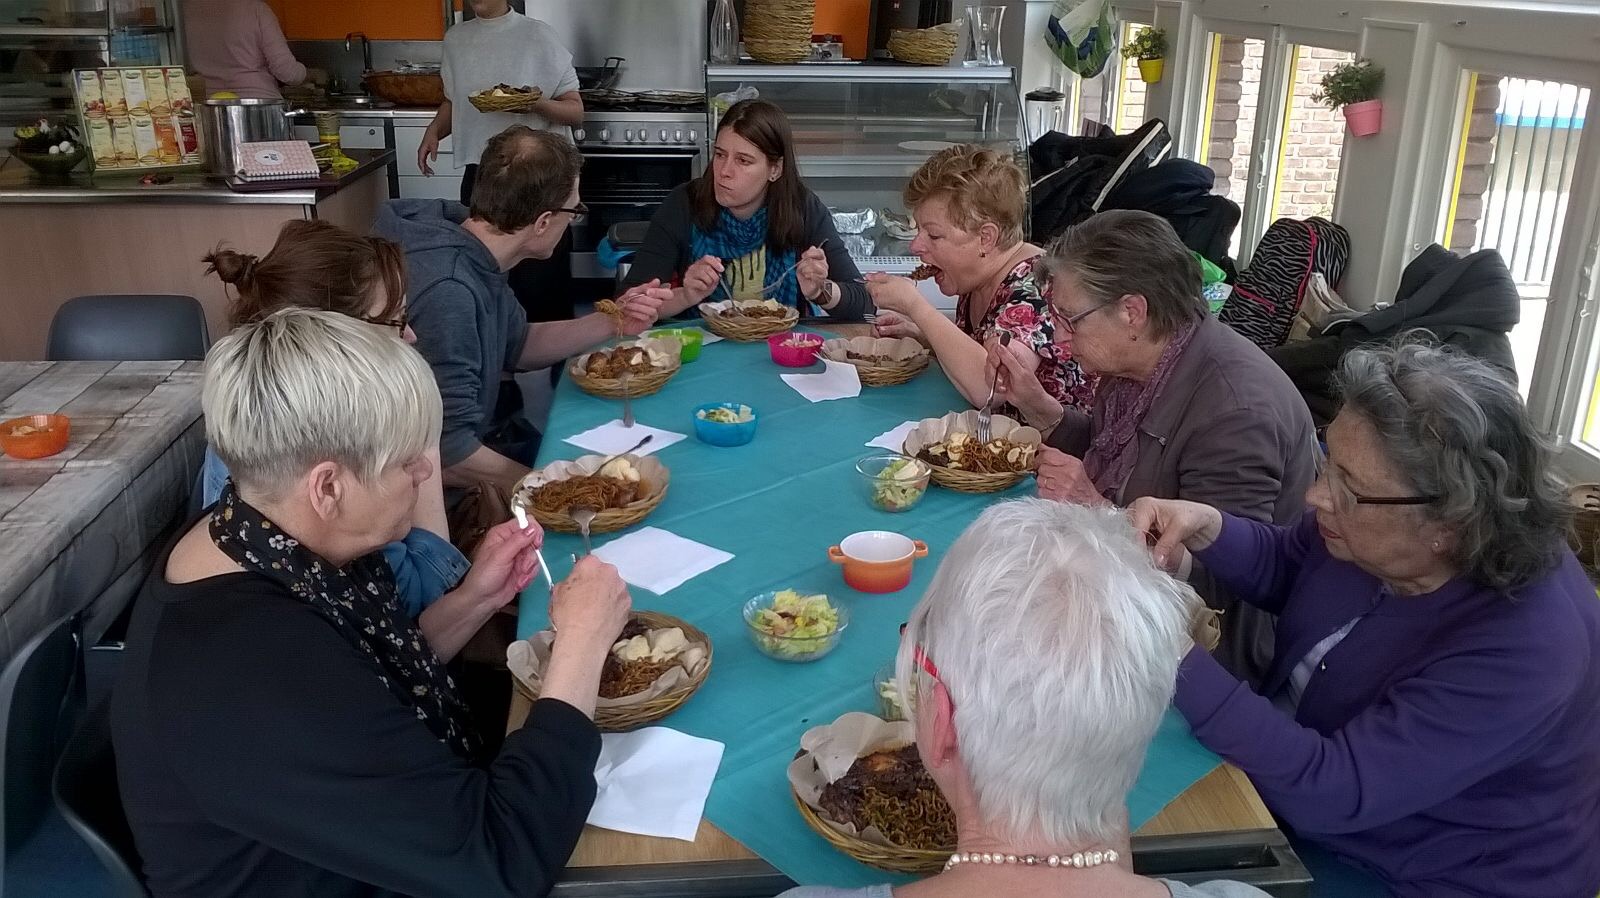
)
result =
(749, 229)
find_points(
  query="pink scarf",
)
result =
(1120, 410)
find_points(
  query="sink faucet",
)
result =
(366, 49)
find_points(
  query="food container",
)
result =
(899, 490)
(853, 221)
(229, 123)
(791, 648)
(793, 356)
(690, 340)
(35, 436)
(718, 433)
(877, 560)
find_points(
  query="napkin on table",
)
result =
(611, 438)
(654, 782)
(654, 559)
(839, 380)
(894, 440)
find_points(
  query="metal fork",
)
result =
(986, 413)
(627, 404)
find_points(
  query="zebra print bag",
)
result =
(1268, 293)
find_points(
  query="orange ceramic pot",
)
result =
(877, 560)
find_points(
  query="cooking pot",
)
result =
(600, 77)
(229, 123)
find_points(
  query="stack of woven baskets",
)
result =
(779, 31)
(925, 46)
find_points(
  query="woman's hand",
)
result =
(702, 278)
(641, 306)
(1173, 525)
(504, 563)
(894, 324)
(1018, 381)
(590, 607)
(428, 151)
(1062, 478)
(812, 272)
(895, 294)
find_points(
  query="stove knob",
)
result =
(677, 136)
(694, 136)
(580, 135)
(644, 135)
(663, 135)
(605, 134)
(628, 135)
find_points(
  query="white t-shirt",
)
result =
(510, 49)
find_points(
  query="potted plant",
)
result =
(1149, 46)
(1353, 87)
(52, 150)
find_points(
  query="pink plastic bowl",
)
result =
(794, 356)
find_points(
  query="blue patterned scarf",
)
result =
(733, 240)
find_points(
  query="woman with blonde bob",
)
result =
(1041, 661)
(970, 204)
(281, 726)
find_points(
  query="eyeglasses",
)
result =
(1345, 498)
(398, 324)
(579, 212)
(1070, 323)
(921, 658)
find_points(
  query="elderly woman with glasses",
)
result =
(1433, 712)
(1036, 731)
(281, 726)
(1186, 409)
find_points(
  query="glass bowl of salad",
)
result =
(894, 482)
(725, 423)
(791, 625)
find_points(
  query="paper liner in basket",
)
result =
(721, 307)
(528, 658)
(934, 430)
(652, 473)
(670, 348)
(902, 352)
(828, 751)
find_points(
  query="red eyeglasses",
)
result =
(921, 658)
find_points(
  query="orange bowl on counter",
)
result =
(877, 560)
(35, 436)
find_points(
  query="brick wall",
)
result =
(1474, 182)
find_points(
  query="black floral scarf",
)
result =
(360, 602)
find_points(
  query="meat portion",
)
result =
(891, 791)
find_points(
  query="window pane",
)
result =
(1233, 93)
(1131, 91)
(1308, 161)
(1514, 169)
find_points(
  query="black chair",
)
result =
(128, 327)
(41, 699)
(85, 786)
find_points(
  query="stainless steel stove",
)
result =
(665, 127)
(632, 160)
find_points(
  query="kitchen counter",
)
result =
(350, 113)
(18, 184)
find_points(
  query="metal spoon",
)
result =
(583, 516)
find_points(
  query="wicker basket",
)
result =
(1585, 535)
(486, 101)
(407, 89)
(617, 720)
(653, 474)
(638, 384)
(779, 31)
(908, 358)
(742, 329)
(925, 46)
(932, 430)
(884, 857)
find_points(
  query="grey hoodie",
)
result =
(469, 325)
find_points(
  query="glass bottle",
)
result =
(723, 45)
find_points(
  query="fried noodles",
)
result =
(892, 792)
(584, 490)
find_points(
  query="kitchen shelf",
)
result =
(44, 31)
(892, 73)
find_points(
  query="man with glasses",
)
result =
(470, 326)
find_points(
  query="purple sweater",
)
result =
(1450, 743)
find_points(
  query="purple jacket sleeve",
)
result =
(1258, 562)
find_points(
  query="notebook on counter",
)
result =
(276, 160)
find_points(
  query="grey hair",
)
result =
(1455, 427)
(1125, 252)
(304, 386)
(1058, 641)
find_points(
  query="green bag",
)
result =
(1082, 34)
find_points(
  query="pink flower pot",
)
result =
(1365, 118)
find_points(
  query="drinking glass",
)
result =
(983, 23)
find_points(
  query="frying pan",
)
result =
(603, 77)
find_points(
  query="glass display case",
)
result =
(861, 130)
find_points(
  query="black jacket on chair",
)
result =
(1076, 175)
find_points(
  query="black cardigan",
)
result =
(259, 755)
(666, 253)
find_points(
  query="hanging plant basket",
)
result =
(1365, 119)
(1151, 70)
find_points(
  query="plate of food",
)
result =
(748, 320)
(860, 784)
(879, 361)
(625, 491)
(655, 664)
(794, 625)
(950, 447)
(634, 368)
(506, 98)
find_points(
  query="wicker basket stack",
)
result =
(779, 31)
(925, 46)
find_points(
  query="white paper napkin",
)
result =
(838, 380)
(654, 782)
(651, 558)
(611, 438)
(711, 338)
(894, 440)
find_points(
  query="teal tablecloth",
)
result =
(777, 504)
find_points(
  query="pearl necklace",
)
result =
(1078, 859)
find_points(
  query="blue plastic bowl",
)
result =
(718, 434)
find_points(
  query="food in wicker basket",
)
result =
(761, 308)
(641, 656)
(505, 98)
(632, 358)
(748, 320)
(616, 485)
(880, 361)
(962, 452)
(635, 368)
(891, 791)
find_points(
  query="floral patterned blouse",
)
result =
(1022, 307)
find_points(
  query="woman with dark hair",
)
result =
(750, 229)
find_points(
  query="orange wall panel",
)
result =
(848, 19)
(380, 20)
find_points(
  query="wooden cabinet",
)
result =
(379, 20)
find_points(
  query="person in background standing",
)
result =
(502, 46)
(238, 46)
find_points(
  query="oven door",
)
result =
(623, 185)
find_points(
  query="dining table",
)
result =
(776, 505)
(78, 529)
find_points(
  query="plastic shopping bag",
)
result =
(1082, 34)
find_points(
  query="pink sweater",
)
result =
(237, 45)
